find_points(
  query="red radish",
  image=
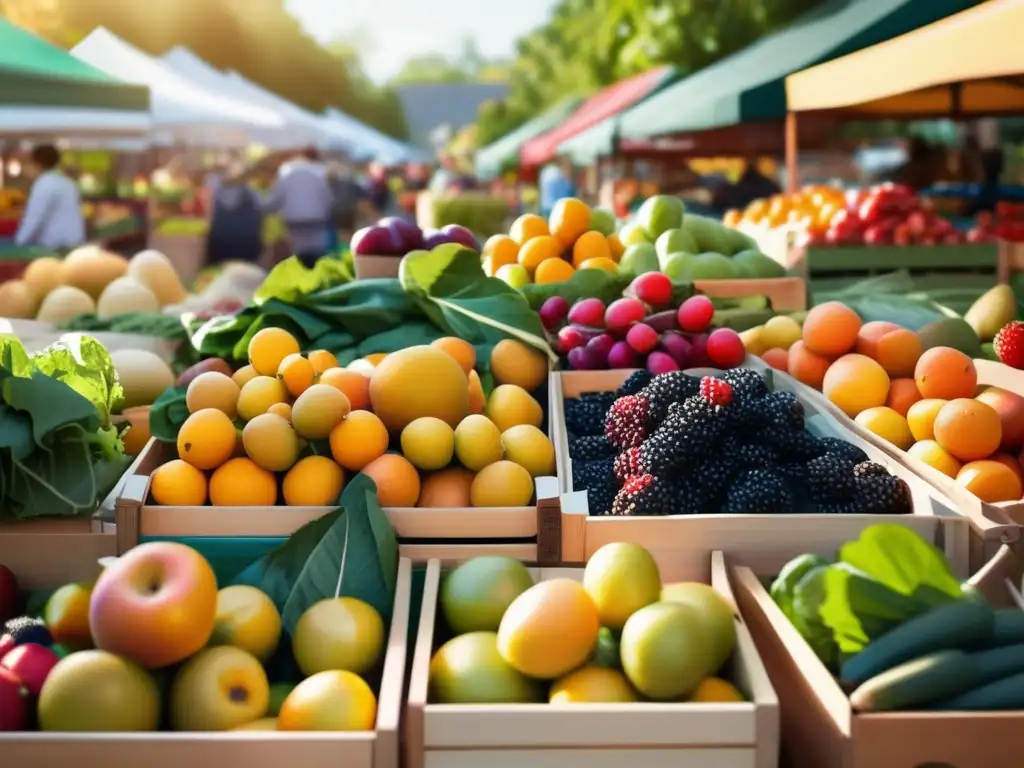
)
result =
(695, 314)
(553, 312)
(31, 663)
(678, 348)
(569, 338)
(725, 348)
(659, 362)
(598, 349)
(14, 705)
(653, 288)
(6, 643)
(699, 350)
(580, 359)
(588, 312)
(622, 313)
(642, 338)
(622, 356)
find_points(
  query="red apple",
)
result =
(30, 663)
(14, 704)
(876, 235)
(902, 236)
(917, 223)
(8, 594)
(155, 605)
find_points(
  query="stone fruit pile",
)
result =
(676, 444)
(943, 647)
(617, 636)
(154, 644)
(923, 401)
(288, 427)
(642, 329)
(394, 236)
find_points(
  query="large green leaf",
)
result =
(585, 284)
(167, 415)
(291, 279)
(352, 551)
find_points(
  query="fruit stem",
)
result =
(344, 552)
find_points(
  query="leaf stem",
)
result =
(344, 552)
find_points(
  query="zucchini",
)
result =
(949, 626)
(917, 683)
(998, 663)
(1007, 693)
(1008, 628)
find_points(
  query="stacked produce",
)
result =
(153, 644)
(917, 394)
(290, 425)
(618, 636)
(642, 329)
(899, 629)
(676, 444)
(394, 236)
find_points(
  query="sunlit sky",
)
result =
(390, 31)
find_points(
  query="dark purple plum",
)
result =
(553, 311)
(598, 349)
(407, 233)
(433, 238)
(580, 359)
(622, 356)
(377, 241)
(459, 234)
(677, 347)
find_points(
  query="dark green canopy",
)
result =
(35, 73)
(505, 151)
(750, 85)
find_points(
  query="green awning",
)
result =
(750, 85)
(505, 151)
(595, 142)
(35, 73)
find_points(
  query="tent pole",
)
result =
(792, 182)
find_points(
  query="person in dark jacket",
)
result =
(236, 226)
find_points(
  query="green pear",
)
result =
(993, 310)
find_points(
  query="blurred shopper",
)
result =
(348, 194)
(53, 214)
(236, 225)
(751, 185)
(378, 189)
(555, 183)
(302, 197)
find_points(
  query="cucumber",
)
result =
(917, 683)
(1008, 628)
(949, 626)
(998, 663)
(1007, 693)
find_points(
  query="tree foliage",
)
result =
(588, 44)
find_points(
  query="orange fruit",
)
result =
(553, 271)
(376, 358)
(777, 358)
(806, 366)
(1009, 461)
(500, 250)
(538, 250)
(241, 483)
(178, 484)
(268, 347)
(354, 385)
(590, 245)
(477, 401)
(460, 349)
(990, 481)
(946, 373)
(898, 352)
(358, 440)
(1010, 407)
(968, 429)
(902, 394)
(854, 383)
(606, 264)
(314, 481)
(831, 329)
(207, 439)
(935, 456)
(527, 227)
(570, 218)
(921, 417)
(321, 360)
(398, 482)
(615, 247)
(888, 425)
(297, 373)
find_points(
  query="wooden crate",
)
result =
(825, 261)
(49, 552)
(685, 538)
(367, 749)
(424, 533)
(642, 735)
(376, 266)
(1010, 260)
(821, 730)
(998, 523)
(787, 294)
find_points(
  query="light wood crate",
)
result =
(365, 749)
(998, 523)
(640, 735)
(49, 552)
(376, 266)
(534, 532)
(1009, 260)
(820, 728)
(684, 538)
(787, 294)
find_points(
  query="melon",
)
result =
(126, 295)
(92, 269)
(43, 275)
(155, 271)
(17, 300)
(144, 376)
(63, 303)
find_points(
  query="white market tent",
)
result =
(37, 121)
(181, 110)
(385, 149)
(302, 127)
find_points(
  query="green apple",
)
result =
(659, 214)
(602, 221)
(514, 274)
(633, 234)
(638, 259)
(675, 241)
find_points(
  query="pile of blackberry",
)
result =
(675, 444)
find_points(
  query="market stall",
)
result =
(492, 159)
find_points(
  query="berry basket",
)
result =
(587, 523)
(639, 734)
(821, 729)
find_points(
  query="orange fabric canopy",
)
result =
(971, 63)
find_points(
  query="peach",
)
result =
(1010, 407)
(154, 605)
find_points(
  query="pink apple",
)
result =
(14, 704)
(30, 663)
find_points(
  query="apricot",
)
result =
(831, 329)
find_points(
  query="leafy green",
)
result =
(59, 454)
(783, 587)
(808, 596)
(167, 415)
(352, 551)
(291, 279)
(154, 324)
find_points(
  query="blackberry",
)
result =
(666, 389)
(713, 479)
(636, 381)
(843, 448)
(628, 421)
(687, 499)
(689, 433)
(830, 478)
(869, 469)
(643, 495)
(759, 492)
(26, 629)
(782, 410)
(627, 464)
(882, 495)
(591, 448)
(750, 455)
(595, 477)
(837, 508)
(585, 415)
(803, 446)
(715, 391)
(746, 383)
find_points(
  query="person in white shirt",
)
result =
(53, 215)
(302, 196)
